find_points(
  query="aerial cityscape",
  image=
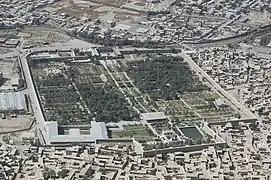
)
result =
(135, 90)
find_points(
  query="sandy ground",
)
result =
(40, 35)
(17, 123)
(8, 67)
(258, 18)
(75, 43)
(89, 9)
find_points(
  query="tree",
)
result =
(63, 173)
(164, 77)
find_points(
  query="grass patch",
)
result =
(139, 132)
(211, 96)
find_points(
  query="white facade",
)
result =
(98, 131)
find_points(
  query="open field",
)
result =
(10, 72)
(4, 50)
(178, 110)
(139, 132)
(16, 123)
(39, 35)
(103, 9)
(206, 109)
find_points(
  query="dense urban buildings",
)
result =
(135, 89)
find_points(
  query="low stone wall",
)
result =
(210, 132)
(114, 140)
(154, 152)
(247, 120)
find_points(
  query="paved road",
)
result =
(234, 102)
(34, 100)
(259, 31)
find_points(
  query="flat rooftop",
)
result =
(12, 101)
(153, 116)
(97, 131)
